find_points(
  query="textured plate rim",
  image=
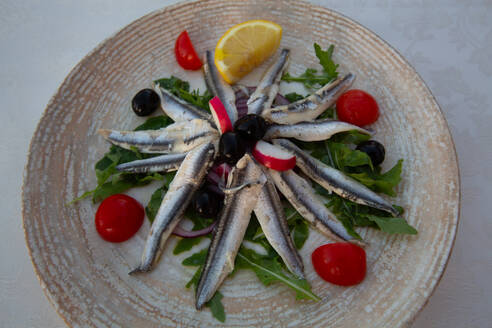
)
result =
(453, 220)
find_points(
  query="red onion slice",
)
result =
(280, 100)
(180, 232)
(242, 96)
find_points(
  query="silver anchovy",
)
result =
(333, 180)
(311, 131)
(180, 110)
(163, 163)
(187, 180)
(311, 107)
(230, 230)
(270, 214)
(218, 87)
(267, 89)
(309, 205)
(178, 137)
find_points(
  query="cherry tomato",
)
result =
(185, 53)
(118, 218)
(357, 107)
(341, 264)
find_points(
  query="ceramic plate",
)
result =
(86, 279)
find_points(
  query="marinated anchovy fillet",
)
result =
(163, 163)
(187, 180)
(233, 221)
(311, 107)
(302, 196)
(333, 180)
(267, 89)
(178, 137)
(311, 131)
(218, 87)
(270, 214)
(178, 109)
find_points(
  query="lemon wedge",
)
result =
(245, 46)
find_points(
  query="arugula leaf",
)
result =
(293, 96)
(350, 137)
(154, 203)
(270, 270)
(185, 244)
(181, 89)
(300, 233)
(325, 60)
(173, 83)
(393, 225)
(120, 183)
(384, 183)
(215, 303)
(106, 166)
(155, 123)
(329, 113)
(156, 199)
(310, 78)
(197, 259)
(216, 307)
(194, 280)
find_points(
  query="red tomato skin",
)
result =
(185, 53)
(357, 107)
(118, 218)
(341, 264)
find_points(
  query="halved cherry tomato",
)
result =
(341, 264)
(118, 218)
(185, 53)
(357, 107)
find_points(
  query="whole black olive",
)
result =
(251, 127)
(145, 102)
(374, 149)
(206, 203)
(231, 147)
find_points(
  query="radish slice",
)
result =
(220, 115)
(273, 157)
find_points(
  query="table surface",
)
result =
(448, 42)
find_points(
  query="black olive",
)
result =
(145, 102)
(206, 203)
(231, 147)
(251, 126)
(374, 149)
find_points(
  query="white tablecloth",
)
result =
(448, 42)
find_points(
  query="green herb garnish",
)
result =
(311, 79)
(181, 89)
